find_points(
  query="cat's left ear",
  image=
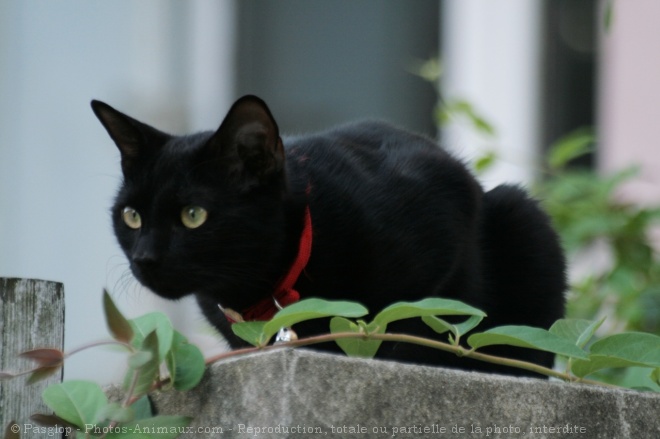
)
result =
(248, 146)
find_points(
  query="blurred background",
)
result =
(501, 83)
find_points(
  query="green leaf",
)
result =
(608, 15)
(118, 325)
(158, 427)
(481, 125)
(437, 324)
(635, 346)
(260, 333)
(309, 309)
(582, 368)
(639, 378)
(78, 402)
(462, 107)
(571, 146)
(430, 70)
(355, 347)
(142, 408)
(485, 162)
(185, 363)
(442, 115)
(620, 350)
(115, 412)
(655, 375)
(155, 321)
(458, 330)
(577, 331)
(139, 359)
(147, 372)
(433, 306)
(526, 337)
(466, 326)
(252, 332)
(42, 373)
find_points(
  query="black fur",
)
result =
(394, 218)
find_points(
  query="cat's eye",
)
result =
(131, 217)
(193, 216)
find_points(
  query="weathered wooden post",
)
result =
(31, 316)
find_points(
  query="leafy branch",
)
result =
(567, 337)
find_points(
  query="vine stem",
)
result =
(128, 400)
(455, 349)
(99, 343)
(66, 355)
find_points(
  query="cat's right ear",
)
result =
(134, 139)
(247, 146)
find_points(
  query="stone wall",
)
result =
(300, 393)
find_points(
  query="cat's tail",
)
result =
(523, 263)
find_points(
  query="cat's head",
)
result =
(195, 213)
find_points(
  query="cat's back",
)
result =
(366, 137)
(367, 151)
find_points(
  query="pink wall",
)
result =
(630, 96)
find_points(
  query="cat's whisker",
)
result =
(124, 283)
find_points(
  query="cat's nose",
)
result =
(145, 256)
(146, 260)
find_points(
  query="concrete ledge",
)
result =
(298, 393)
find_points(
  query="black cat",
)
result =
(388, 216)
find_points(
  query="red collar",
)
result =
(284, 293)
